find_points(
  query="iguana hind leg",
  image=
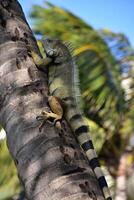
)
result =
(56, 114)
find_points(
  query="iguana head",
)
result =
(55, 49)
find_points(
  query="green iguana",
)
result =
(63, 101)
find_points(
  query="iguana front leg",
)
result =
(40, 62)
(56, 114)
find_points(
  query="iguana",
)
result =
(63, 101)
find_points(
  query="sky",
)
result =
(116, 15)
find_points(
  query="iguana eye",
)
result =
(52, 53)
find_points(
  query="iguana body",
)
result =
(63, 102)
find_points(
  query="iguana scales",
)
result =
(63, 101)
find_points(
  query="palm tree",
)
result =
(50, 165)
(107, 109)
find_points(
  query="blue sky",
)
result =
(116, 15)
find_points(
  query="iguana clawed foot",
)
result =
(50, 117)
(41, 63)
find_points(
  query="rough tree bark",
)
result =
(50, 164)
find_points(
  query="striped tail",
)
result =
(81, 132)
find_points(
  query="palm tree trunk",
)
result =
(50, 164)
